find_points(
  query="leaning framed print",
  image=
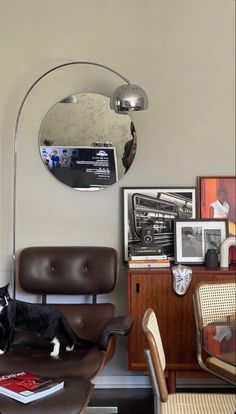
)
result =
(148, 218)
(217, 199)
(194, 237)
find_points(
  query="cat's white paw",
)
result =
(56, 348)
(1, 352)
(54, 355)
(70, 348)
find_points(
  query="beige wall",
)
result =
(181, 52)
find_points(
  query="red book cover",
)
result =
(26, 387)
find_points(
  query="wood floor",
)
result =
(128, 401)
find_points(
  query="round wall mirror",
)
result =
(85, 144)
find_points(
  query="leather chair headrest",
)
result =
(73, 270)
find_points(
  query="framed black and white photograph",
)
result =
(194, 237)
(149, 214)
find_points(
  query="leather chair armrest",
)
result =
(120, 325)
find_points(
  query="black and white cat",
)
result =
(49, 323)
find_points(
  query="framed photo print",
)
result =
(217, 199)
(194, 237)
(149, 214)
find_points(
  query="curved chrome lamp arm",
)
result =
(118, 102)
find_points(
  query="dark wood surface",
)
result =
(154, 288)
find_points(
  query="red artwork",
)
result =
(217, 199)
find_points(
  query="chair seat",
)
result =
(72, 399)
(199, 404)
(79, 362)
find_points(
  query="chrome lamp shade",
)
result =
(128, 98)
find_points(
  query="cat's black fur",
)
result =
(44, 320)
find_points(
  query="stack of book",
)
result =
(145, 260)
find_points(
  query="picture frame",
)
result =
(208, 189)
(194, 237)
(153, 210)
(210, 207)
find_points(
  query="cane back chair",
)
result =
(214, 301)
(179, 403)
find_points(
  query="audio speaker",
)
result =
(147, 235)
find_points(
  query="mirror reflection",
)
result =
(85, 144)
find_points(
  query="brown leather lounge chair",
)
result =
(44, 271)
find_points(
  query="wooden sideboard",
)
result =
(154, 288)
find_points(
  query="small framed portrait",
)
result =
(217, 199)
(149, 214)
(194, 237)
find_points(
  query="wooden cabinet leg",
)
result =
(171, 382)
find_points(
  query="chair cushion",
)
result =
(87, 321)
(199, 404)
(79, 362)
(68, 270)
(70, 400)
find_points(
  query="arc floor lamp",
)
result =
(126, 98)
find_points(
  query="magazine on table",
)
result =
(26, 387)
